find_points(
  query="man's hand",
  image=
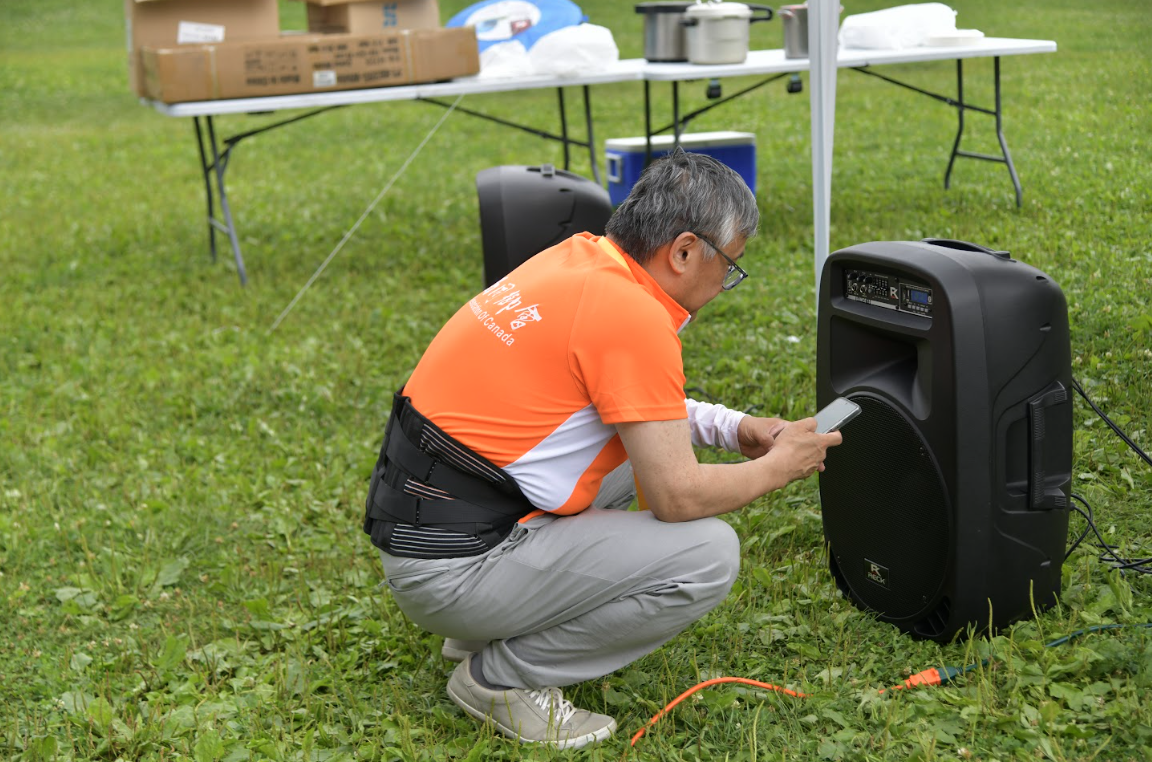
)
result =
(758, 435)
(801, 450)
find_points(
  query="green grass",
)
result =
(183, 572)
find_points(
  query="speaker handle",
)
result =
(1039, 495)
(951, 243)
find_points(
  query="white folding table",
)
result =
(214, 153)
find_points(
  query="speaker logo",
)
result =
(876, 573)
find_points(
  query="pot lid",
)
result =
(719, 11)
(664, 7)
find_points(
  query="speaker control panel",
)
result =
(889, 291)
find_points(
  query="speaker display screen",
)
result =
(889, 291)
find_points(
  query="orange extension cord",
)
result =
(715, 681)
(933, 676)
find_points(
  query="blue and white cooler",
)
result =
(625, 156)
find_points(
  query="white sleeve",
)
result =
(713, 425)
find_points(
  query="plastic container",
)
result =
(625, 156)
(957, 39)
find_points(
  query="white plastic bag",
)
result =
(574, 50)
(904, 26)
(504, 59)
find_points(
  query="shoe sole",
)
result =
(571, 743)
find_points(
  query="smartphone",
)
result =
(835, 414)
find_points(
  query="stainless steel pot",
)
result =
(664, 37)
(718, 32)
(795, 19)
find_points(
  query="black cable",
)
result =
(1135, 448)
(1087, 529)
(1094, 628)
(1108, 552)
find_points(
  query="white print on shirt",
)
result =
(499, 287)
(525, 316)
(509, 300)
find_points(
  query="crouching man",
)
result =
(527, 427)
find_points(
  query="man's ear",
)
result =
(680, 252)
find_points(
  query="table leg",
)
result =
(563, 126)
(591, 136)
(1003, 141)
(675, 114)
(1005, 156)
(959, 115)
(206, 170)
(220, 163)
(647, 124)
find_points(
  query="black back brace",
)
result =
(482, 506)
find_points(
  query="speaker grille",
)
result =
(886, 513)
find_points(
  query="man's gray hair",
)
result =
(684, 192)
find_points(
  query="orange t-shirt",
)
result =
(534, 372)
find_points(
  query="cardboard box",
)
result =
(308, 63)
(164, 23)
(331, 17)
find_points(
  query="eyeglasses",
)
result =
(735, 272)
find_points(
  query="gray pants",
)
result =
(571, 598)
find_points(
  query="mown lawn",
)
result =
(182, 571)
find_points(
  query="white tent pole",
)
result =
(823, 24)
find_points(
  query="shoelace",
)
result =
(551, 700)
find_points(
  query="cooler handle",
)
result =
(951, 243)
(613, 165)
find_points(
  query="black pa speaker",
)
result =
(947, 503)
(524, 210)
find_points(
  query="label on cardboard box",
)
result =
(191, 31)
(325, 78)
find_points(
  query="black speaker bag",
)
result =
(947, 504)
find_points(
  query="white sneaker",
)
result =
(538, 716)
(457, 650)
